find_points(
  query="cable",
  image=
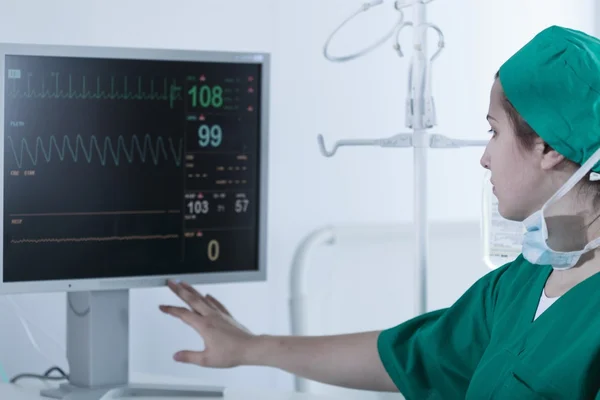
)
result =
(75, 311)
(25, 323)
(19, 312)
(45, 377)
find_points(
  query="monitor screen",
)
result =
(125, 167)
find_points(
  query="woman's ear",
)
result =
(550, 159)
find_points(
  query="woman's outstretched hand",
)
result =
(350, 360)
(226, 342)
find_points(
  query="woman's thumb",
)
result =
(191, 357)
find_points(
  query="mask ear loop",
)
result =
(591, 245)
(576, 177)
(594, 177)
(569, 184)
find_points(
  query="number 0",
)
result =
(213, 250)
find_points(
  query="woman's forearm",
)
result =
(350, 361)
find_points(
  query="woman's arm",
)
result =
(350, 360)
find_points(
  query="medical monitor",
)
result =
(124, 167)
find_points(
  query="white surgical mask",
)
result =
(535, 247)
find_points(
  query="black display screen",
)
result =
(124, 168)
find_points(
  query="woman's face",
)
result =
(516, 173)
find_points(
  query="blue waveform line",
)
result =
(154, 150)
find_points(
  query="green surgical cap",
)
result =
(554, 84)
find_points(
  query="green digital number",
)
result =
(206, 96)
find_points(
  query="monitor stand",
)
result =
(98, 352)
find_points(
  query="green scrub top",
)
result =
(487, 345)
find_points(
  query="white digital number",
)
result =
(198, 207)
(241, 205)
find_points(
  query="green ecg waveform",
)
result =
(150, 149)
(95, 89)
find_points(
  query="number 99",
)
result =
(210, 136)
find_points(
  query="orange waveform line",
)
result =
(96, 239)
(96, 213)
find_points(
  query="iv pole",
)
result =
(420, 116)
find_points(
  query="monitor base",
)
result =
(98, 353)
(70, 392)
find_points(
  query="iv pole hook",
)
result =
(398, 140)
(441, 41)
(344, 142)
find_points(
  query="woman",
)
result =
(528, 330)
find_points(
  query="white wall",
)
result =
(364, 98)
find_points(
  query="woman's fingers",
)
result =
(191, 357)
(187, 316)
(190, 288)
(209, 299)
(218, 305)
(191, 298)
(197, 293)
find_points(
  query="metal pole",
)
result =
(420, 143)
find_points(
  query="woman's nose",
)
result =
(484, 161)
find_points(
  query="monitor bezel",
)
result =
(119, 283)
